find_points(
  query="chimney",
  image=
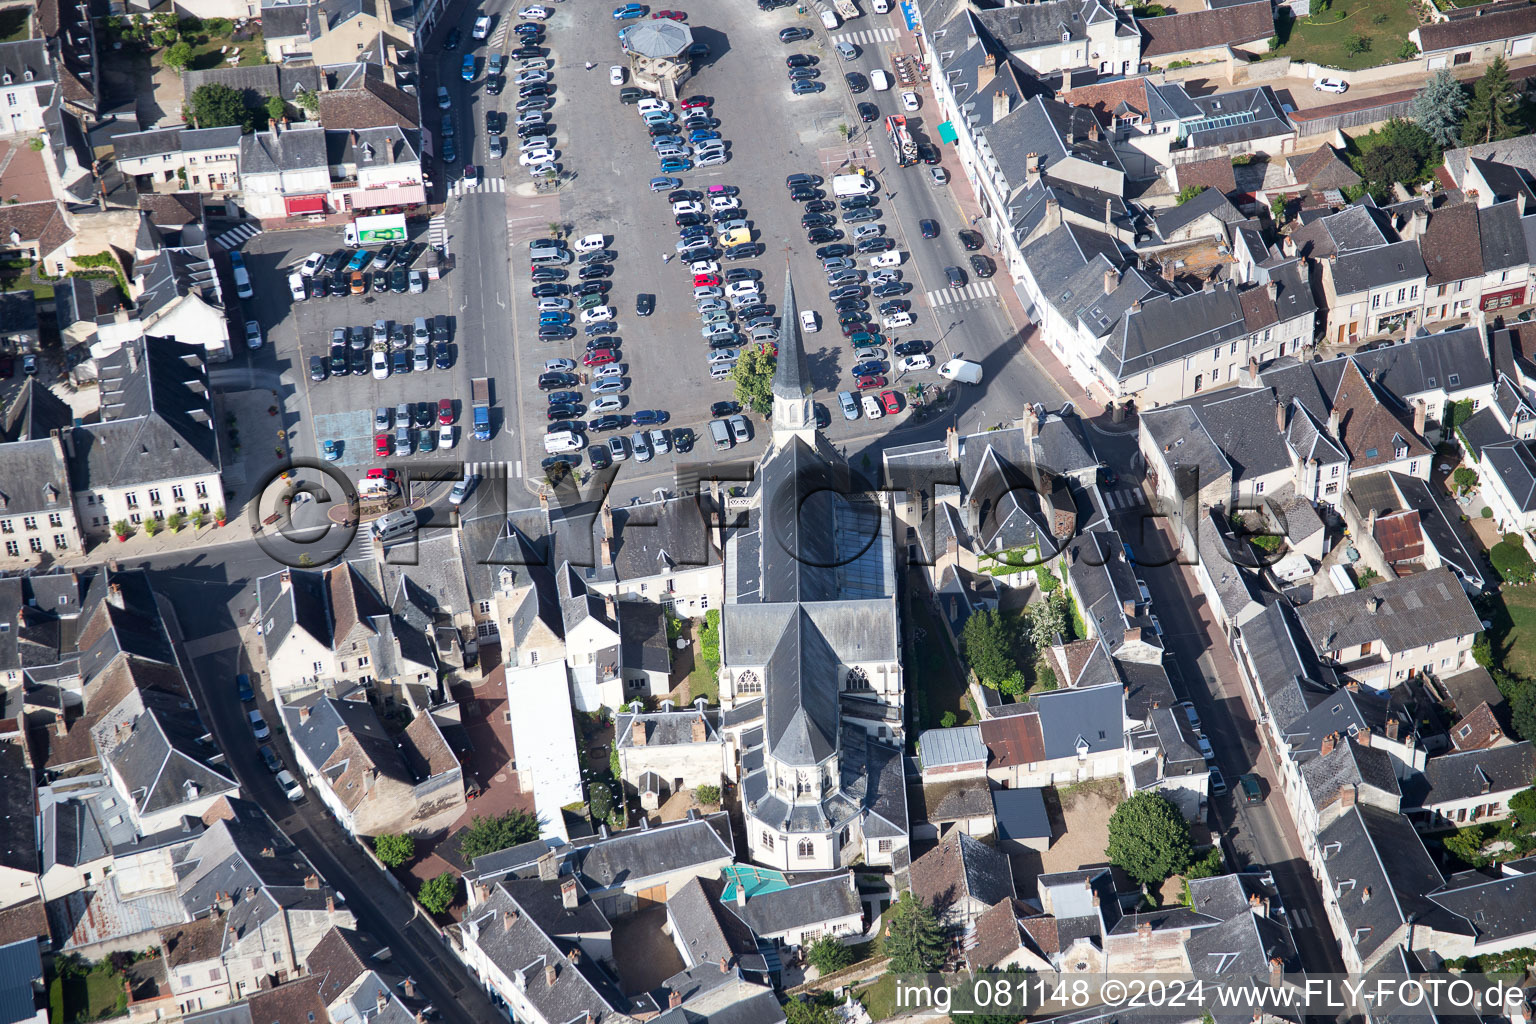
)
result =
(1272, 292)
(999, 106)
(550, 974)
(1370, 524)
(483, 891)
(1419, 223)
(1276, 971)
(60, 729)
(608, 535)
(1133, 635)
(674, 1000)
(1371, 605)
(1347, 796)
(574, 956)
(382, 1000)
(549, 870)
(1031, 167)
(700, 732)
(985, 73)
(1029, 423)
(1392, 728)
(725, 966)
(1111, 280)
(330, 903)
(115, 595)
(1363, 737)
(312, 882)
(508, 919)
(1052, 215)
(1365, 895)
(741, 893)
(568, 894)
(1109, 216)
(304, 710)
(409, 988)
(1129, 607)
(952, 444)
(1333, 422)
(1066, 80)
(1144, 930)
(637, 732)
(1420, 412)
(1329, 742)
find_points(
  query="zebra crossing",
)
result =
(486, 185)
(437, 232)
(865, 37)
(235, 237)
(486, 470)
(1126, 498)
(949, 296)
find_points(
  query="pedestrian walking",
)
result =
(590, 65)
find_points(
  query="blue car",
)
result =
(703, 135)
(360, 259)
(673, 164)
(450, 152)
(646, 417)
(243, 684)
(330, 449)
(467, 69)
(555, 318)
(629, 11)
(448, 126)
(801, 87)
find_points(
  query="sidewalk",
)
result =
(1090, 405)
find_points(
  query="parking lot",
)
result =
(769, 134)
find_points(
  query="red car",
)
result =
(890, 403)
(380, 444)
(600, 356)
(382, 474)
(695, 103)
(849, 330)
(875, 381)
(705, 280)
(445, 411)
(672, 15)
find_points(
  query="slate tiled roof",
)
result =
(297, 149)
(1470, 773)
(708, 930)
(1499, 903)
(1410, 611)
(1029, 26)
(1467, 31)
(802, 904)
(1361, 270)
(1451, 360)
(1173, 34)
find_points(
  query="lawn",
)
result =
(206, 51)
(1326, 39)
(1512, 610)
(931, 670)
(96, 995)
(16, 275)
(15, 24)
(880, 998)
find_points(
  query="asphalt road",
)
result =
(1258, 835)
(210, 596)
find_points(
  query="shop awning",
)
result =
(373, 198)
(298, 205)
(947, 133)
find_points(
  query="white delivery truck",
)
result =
(386, 227)
(828, 20)
(962, 370)
(846, 8)
(845, 185)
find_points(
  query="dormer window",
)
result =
(6, 79)
(27, 75)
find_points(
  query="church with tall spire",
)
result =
(810, 645)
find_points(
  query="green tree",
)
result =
(276, 108)
(709, 641)
(1490, 115)
(1148, 838)
(1387, 164)
(988, 643)
(1189, 192)
(707, 795)
(1465, 478)
(177, 56)
(487, 835)
(1522, 712)
(828, 955)
(1277, 210)
(215, 105)
(801, 1011)
(913, 939)
(1046, 618)
(394, 849)
(948, 720)
(438, 893)
(1359, 45)
(1208, 866)
(307, 101)
(1523, 806)
(753, 375)
(599, 800)
(988, 1009)
(1407, 51)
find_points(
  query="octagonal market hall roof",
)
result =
(660, 37)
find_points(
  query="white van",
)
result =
(545, 255)
(896, 320)
(721, 432)
(962, 370)
(845, 185)
(394, 524)
(872, 410)
(560, 441)
(829, 19)
(373, 487)
(879, 80)
(881, 6)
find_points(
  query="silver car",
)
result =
(642, 447)
(661, 442)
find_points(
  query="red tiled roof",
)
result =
(1015, 739)
(1400, 537)
(1202, 30)
(1215, 173)
(1478, 731)
(1106, 99)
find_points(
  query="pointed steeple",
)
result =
(793, 415)
(148, 241)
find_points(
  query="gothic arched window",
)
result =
(806, 848)
(748, 682)
(857, 679)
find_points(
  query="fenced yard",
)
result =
(1350, 34)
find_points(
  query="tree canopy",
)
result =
(394, 849)
(913, 939)
(215, 105)
(991, 650)
(1148, 838)
(438, 893)
(487, 835)
(1491, 114)
(828, 955)
(177, 56)
(753, 375)
(1439, 107)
